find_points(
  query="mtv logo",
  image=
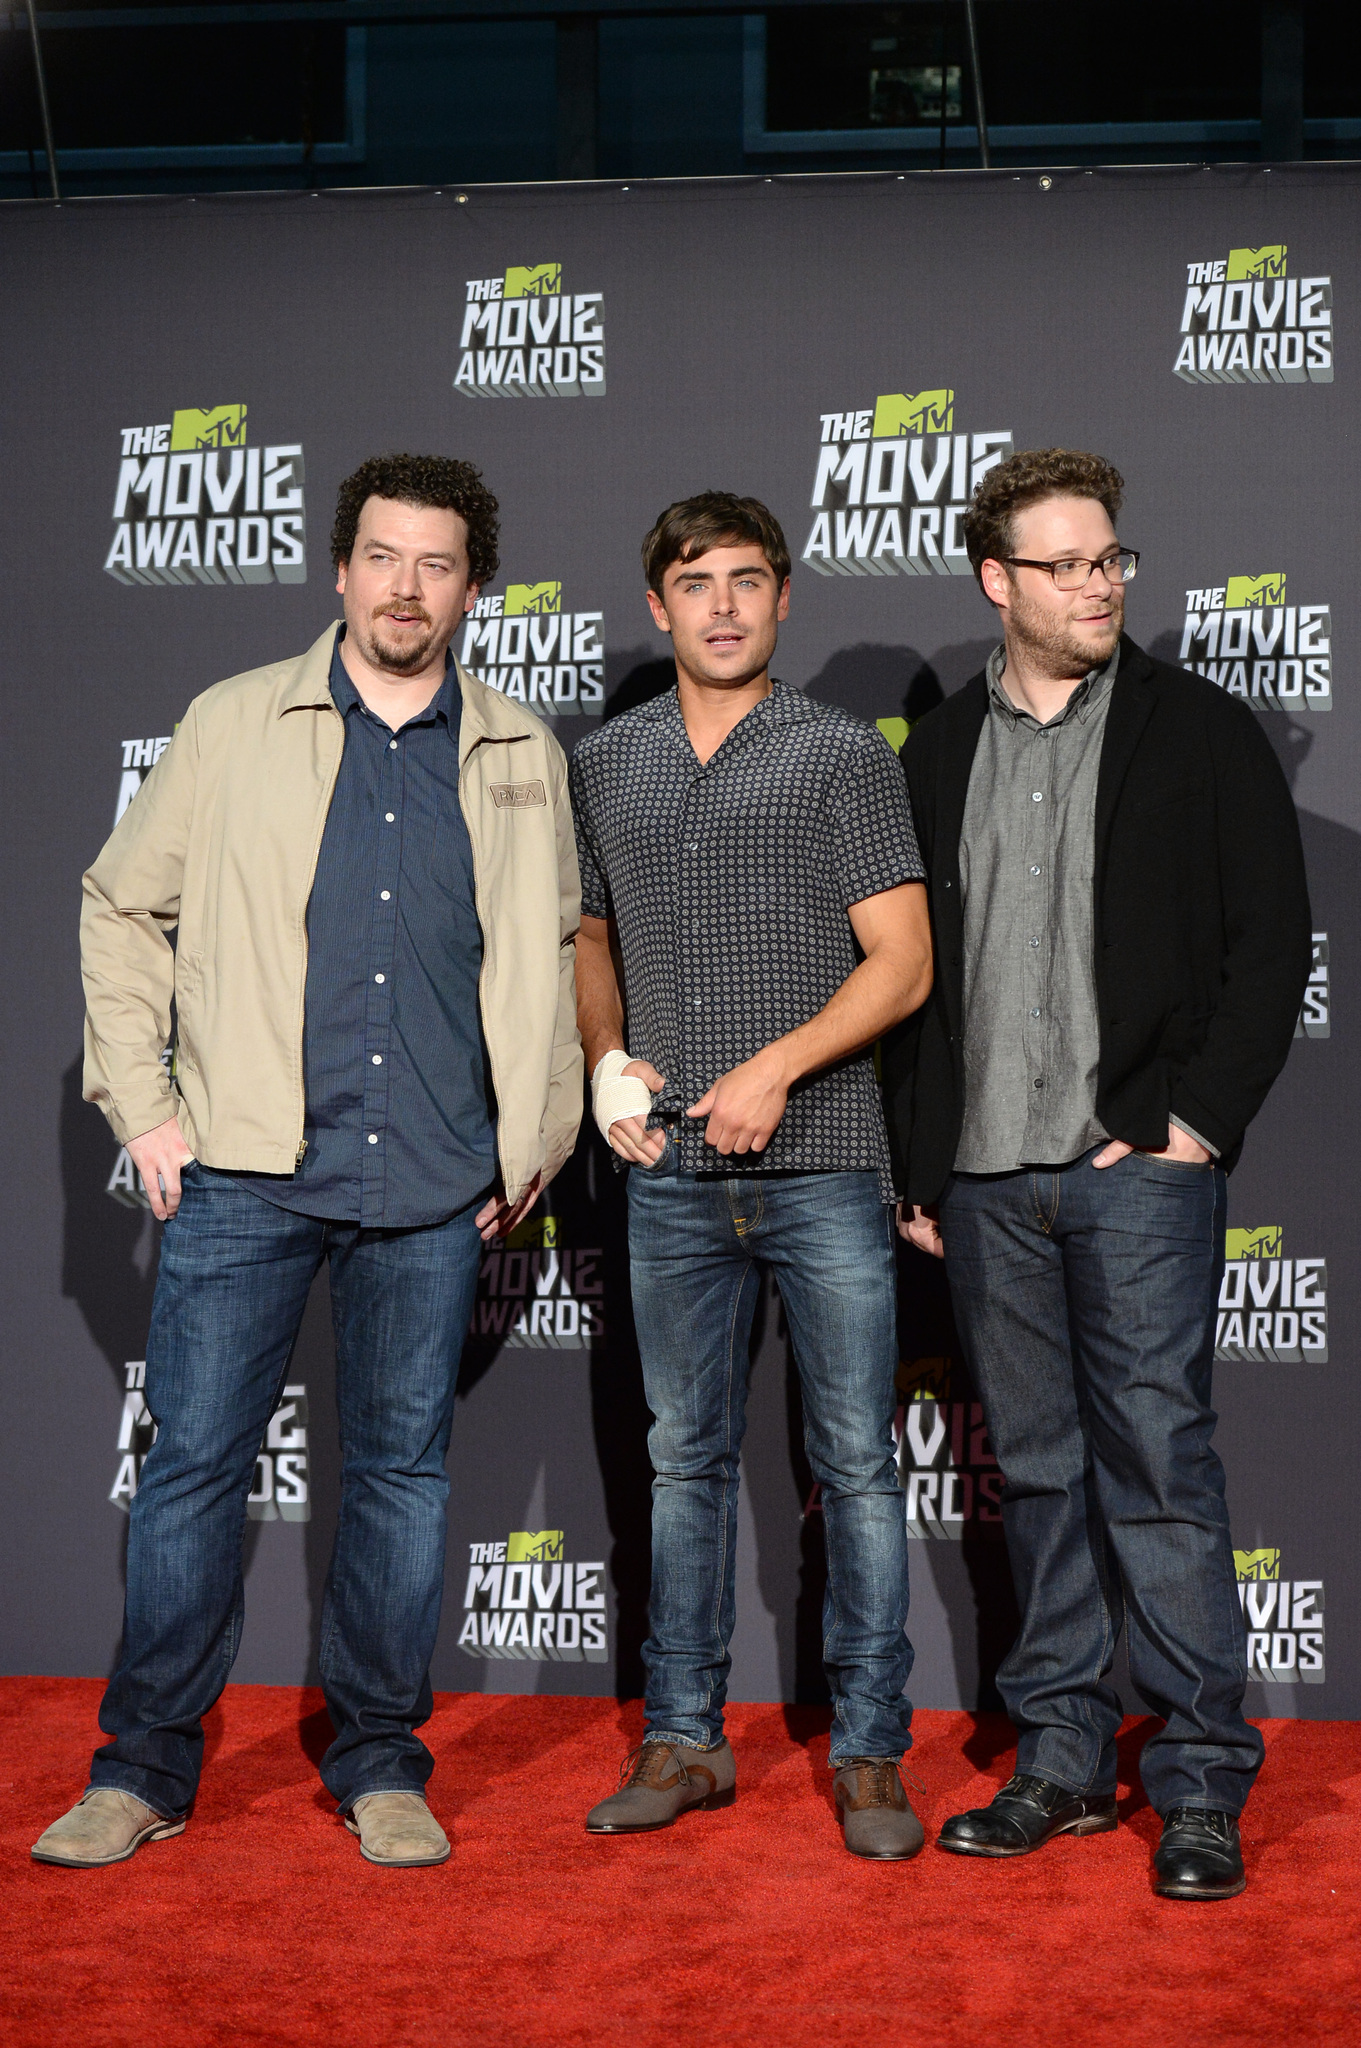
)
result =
(930, 412)
(538, 1546)
(1263, 1241)
(531, 597)
(536, 1233)
(1257, 1564)
(533, 281)
(1251, 263)
(926, 1379)
(1254, 592)
(209, 426)
(895, 731)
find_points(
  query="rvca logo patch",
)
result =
(518, 796)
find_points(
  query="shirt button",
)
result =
(386, 895)
(391, 817)
(1034, 1013)
(380, 977)
(699, 1002)
(372, 1139)
(1039, 1084)
(1037, 796)
(1034, 942)
(1034, 871)
(392, 746)
(378, 1059)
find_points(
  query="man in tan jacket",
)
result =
(367, 857)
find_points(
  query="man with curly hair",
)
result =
(1123, 938)
(369, 860)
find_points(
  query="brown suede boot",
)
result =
(874, 1809)
(104, 1826)
(661, 1780)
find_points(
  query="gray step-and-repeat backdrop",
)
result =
(185, 383)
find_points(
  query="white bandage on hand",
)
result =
(615, 1094)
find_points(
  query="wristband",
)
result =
(615, 1094)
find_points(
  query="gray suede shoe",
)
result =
(104, 1826)
(661, 1780)
(397, 1829)
(875, 1814)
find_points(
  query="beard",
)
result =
(398, 658)
(1053, 642)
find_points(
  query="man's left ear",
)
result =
(470, 596)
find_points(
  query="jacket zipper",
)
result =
(307, 897)
(482, 974)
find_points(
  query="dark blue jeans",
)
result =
(696, 1245)
(1085, 1300)
(234, 1279)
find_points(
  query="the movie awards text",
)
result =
(139, 758)
(946, 1465)
(536, 1293)
(525, 645)
(526, 1598)
(892, 484)
(194, 503)
(280, 1489)
(1316, 1012)
(1246, 320)
(1285, 1621)
(525, 337)
(1272, 1310)
(1244, 636)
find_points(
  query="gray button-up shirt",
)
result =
(1026, 860)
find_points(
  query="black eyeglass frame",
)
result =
(1024, 562)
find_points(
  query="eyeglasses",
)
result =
(1120, 567)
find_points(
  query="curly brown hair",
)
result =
(438, 481)
(1026, 479)
(713, 519)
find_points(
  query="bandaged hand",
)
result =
(621, 1100)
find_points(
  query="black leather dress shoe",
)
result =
(1198, 1856)
(1027, 1813)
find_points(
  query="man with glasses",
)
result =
(1123, 937)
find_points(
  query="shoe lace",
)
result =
(879, 1776)
(637, 1764)
(1207, 1818)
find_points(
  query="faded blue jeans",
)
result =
(1086, 1302)
(234, 1279)
(696, 1246)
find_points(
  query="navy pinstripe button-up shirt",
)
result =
(400, 1117)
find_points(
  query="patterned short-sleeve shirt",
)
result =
(730, 885)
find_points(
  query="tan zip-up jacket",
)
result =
(222, 841)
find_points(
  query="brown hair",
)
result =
(437, 481)
(1027, 479)
(714, 519)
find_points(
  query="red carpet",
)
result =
(262, 1924)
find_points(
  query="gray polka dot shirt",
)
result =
(730, 885)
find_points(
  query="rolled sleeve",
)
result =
(874, 840)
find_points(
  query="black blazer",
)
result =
(1202, 927)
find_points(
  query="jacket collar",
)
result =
(310, 682)
(486, 715)
(1131, 707)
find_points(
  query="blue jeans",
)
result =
(234, 1279)
(1086, 1301)
(695, 1246)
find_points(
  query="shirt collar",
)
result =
(784, 703)
(1081, 704)
(445, 703)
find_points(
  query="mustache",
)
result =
(415, 611)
